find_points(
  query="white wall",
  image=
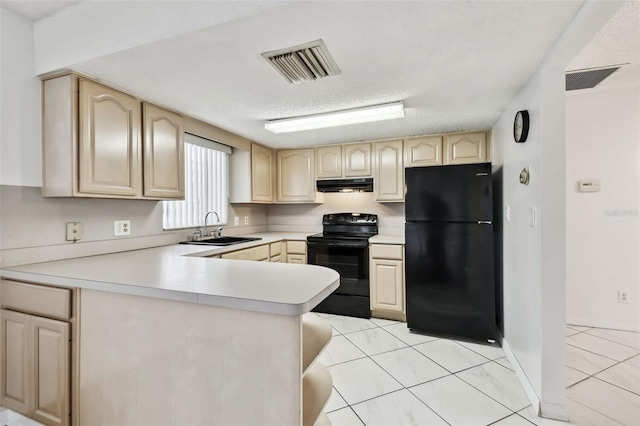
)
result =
(534, 257)
(308, 217)
(603, 231)
(20, 134)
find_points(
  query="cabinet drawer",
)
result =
(386, 251)
(298, 247)
(254, 253)
(276, 248)
(39, 300)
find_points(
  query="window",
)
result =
(206, 185)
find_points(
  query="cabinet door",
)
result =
(15, 361)
(109, 148)
(297, 258)
(258, 253)
(357, 160)
(388, 180)
(296, 175)
(51, 366)
(262, 172)
(163, 153)
(329, 161)
(387, 289)
(423, 152)
(276, 259)
(466, 148)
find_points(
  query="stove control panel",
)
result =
(349, 219)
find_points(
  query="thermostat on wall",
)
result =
(589, 185)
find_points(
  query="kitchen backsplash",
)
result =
(308, 217)
(32, 228)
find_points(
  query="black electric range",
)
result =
(344, 247)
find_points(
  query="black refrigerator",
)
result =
(449, 251)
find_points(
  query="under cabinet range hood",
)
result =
(345, 185)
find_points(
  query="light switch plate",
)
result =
(532, 213)
(507, 213)
(74, 231)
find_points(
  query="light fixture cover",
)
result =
(337, 118)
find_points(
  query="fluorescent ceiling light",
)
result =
(337, 118)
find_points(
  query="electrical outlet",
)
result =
(121, 227)
(623, 297)
(74, 231)
(236, 221)
(246, 220)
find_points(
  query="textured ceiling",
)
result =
(455, 64)
(34, 10)
(617, 43)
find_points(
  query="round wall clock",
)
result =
(521, 126)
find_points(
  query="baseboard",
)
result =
(395, 316)
(615, 325)
(554, 411)
(524, 380)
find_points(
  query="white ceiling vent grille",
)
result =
(588, 78)
(306, 62)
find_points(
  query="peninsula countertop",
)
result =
(181, 273)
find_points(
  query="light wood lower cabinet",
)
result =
(297, 252)
(258, 253)
(387, 278)
(36, 367)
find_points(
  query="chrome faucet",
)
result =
(206, 231)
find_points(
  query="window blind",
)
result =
(206, 186)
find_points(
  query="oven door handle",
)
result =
(347, 245)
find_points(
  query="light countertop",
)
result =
(387, 239)
(180, 272)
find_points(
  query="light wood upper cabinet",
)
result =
(426, 151)
(251, 175)
(163, 153)
(357, 160)
(329, 161)
(466, 148)
(93, 145)
(296, 175)
(109, 141)
(262, 172)
(388, 171)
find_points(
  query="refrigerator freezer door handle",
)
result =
(484, 222)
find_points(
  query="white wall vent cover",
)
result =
(588, 78)
(306, 62)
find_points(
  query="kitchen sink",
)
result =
(222, 241)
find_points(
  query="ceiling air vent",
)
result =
(588, 78)
(306, 62)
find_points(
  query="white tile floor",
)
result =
(385, 375)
